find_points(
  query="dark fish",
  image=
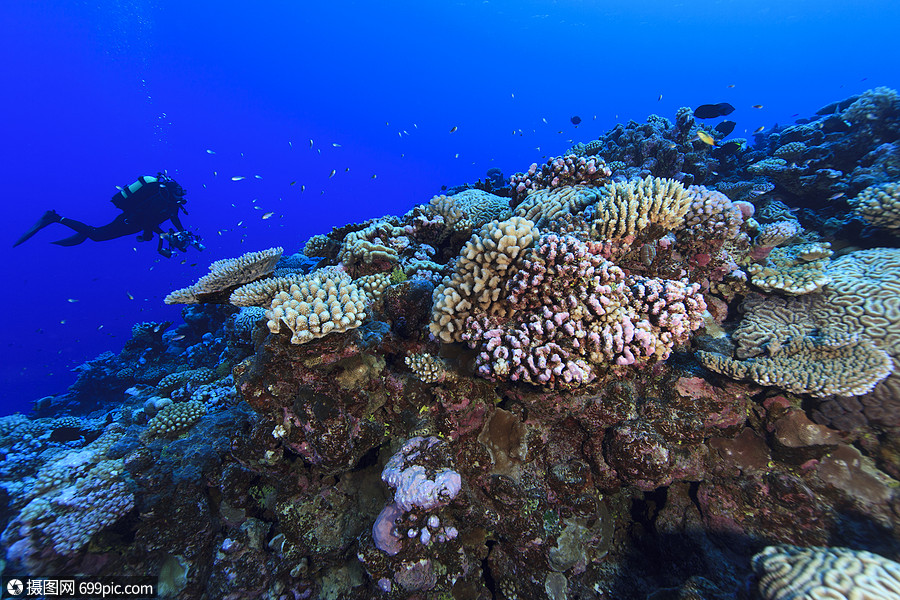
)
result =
(729, 148)
(575, 120)
(711, 111)
(725, 127)
(757, 106)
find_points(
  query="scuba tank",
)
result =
(133, 196)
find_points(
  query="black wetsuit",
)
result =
(143, 211)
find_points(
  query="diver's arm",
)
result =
(176, 222)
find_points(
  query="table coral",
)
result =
(227, 273)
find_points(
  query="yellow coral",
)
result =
(227, 273)
(325, 301)
(487, 259)
(260, 293)
(627, 209)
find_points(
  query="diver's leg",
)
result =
(48, 217)
(84, 230)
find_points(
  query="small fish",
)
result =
(335, 144)
(63, 322)
(731, 85)
(319, 150)
(725, 127)
(575, 120)
(406, 132)
(660, 98)
(258, 176)
(833, 197)
(456, 155)
(178, 337)
(415, 126)
(400, 133)
(302, 188)
(99, 328)
(543, 119)
(538, 148)
(757, 106)
(240, 223)
(210, 152)
(120, 188)
(453, 129)
(672, 146)
(333, 171)
(130, 297)
(711, 111)
(293, 183)
(268, 215)
(73, 299)
(347, 170)
(215, 173)
(290, 144)
(758, 129)
(706, 138)
(374, 176)
(512, 95)
(310, 143)
(237, 178)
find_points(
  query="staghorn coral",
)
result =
(880, 205)
(487, 259)
(814, 366)
(793, 270)
(174, 419)
(645, 208)
(325, 301)
(227, 273)
(819, 573)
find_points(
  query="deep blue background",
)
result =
(95, 94)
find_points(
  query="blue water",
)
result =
(97, 93)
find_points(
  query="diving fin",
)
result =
(72, 240)
(48, 217)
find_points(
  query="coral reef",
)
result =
(636, 372)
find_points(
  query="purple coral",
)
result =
(574, 310)
(560, 171)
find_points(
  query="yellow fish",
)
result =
(758, 129)
(130, 297)
(706, 138)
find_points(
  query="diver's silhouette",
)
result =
(145, 204)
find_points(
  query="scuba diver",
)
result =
(145, 204)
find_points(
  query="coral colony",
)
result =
(663, 364)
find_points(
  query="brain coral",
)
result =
(326, 300)
(469, 209)
(862, 299)
(227, 273)
(793, 270)
(546, 205)
(818, 573)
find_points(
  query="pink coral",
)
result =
(560, 171)
(573, 311)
